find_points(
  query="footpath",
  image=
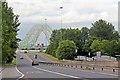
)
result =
(9, 73)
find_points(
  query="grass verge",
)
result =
(10, 64)
(51, 57)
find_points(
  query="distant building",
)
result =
(119, 17)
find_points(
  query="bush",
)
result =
(66, 50)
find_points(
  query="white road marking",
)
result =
(100, 73)
(57, 73)
(20, 73)
(31, 72)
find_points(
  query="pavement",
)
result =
(10, 73)
(0, 73)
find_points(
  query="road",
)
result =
(46, 72)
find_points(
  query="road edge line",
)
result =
(59, 73)
(19, 72)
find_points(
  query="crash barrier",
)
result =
(96, 63)
(87, 67)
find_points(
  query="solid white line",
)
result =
(20, 73)
(56, 73)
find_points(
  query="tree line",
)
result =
(10, 25)
(102, 37)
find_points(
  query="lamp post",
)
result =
(46, 25)
(61, 21)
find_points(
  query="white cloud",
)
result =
(73, 11)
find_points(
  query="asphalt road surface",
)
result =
(47, 72)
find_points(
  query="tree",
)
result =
(106, 47)
(66, 50)
(114, 48)
(10, 25)
(118, 49)
(52, 49)
(78, 36)
(67, 34)
(54, 42)
(83, 37)
(0, 33)
(104, 30)
(88, 44)
(96, 46)
(84, 34)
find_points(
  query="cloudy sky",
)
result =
(75, 13)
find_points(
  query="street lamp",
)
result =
(61, 21)
(46, 24)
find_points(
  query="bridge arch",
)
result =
(32, 36)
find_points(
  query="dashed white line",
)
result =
(31, 72)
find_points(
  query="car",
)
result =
(21, 57)
(25, 51)
(35, 63)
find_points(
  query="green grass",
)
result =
(9, 64)
(14, 61)
(51, 57)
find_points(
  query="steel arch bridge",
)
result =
(32, 36)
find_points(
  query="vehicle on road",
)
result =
(35, 63)
(25, 51)
(21, 57)
(35, 56)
